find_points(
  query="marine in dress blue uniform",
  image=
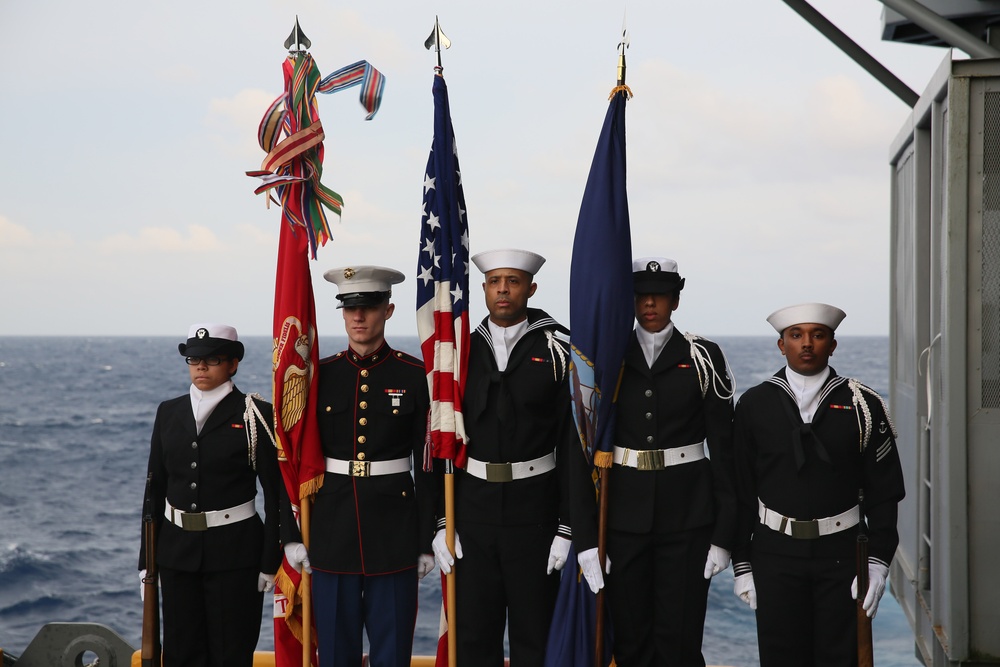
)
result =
(816, 463)
(215, 556)
(671, 509)
(512, 501)
(373, 518)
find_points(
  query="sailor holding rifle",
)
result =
(216, 558)
(816, 463)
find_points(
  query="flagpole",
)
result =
(436, 41)
(306, 586)
(449, 537)
(605, 472)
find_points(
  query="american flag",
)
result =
(443, 287)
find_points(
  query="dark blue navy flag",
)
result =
(601, 300)
(601, 316)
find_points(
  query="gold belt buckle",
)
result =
(805, 530)
(499, 472)
(194, 521)
(361, 468)
(649, 459)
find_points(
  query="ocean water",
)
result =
(75, 418)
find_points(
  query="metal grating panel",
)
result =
(991, 253)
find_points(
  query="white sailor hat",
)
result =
(806, 313)
(655, 275)
(508, 258)
(363, 285)
(206, 340)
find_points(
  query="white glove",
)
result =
(142, 585)
(425, 563)
(718, 560)
(442, 555)
(297, 556)
(265, 582)
(877, 574)
(591, 566)
(558, 553)
(745, 590)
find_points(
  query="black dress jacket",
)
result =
(213, 471)
(814, 471)
(370, 408)
(663, 408)
(516, 415)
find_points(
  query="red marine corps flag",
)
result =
(293, 167)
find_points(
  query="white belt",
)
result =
(196, 521)
(508, 472)
(810, 529)
(658, 459)
(367, 468)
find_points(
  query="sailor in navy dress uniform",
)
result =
(816, 462)
(215, 556)
(372, 522)
(512, 499)
(671, 509)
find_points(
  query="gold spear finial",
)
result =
(622, 46)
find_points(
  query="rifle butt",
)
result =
(150, 650)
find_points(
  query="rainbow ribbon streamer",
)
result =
(294, 164)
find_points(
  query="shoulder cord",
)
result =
(861, 408)
(707, 375)
(556, 348)
(251, 427)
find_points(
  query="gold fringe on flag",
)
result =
(603, 459)
(621, 89)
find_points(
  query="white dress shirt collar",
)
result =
(652, 343)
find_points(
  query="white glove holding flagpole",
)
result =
(142, 585)
(442, 555)
(558, 553)
(745, 590)
(718, 560)
(877, 574)
(591, 566)
(297, 556)
(425, 563)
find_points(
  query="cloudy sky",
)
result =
(758, 152)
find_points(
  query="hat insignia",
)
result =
(349, 273)
(201, 333)
(653, 266)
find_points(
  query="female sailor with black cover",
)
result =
(215, 556)
(808, 445)
(372, 521)
(671, 509)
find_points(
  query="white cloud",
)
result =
(233, 122)
(13, 236)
